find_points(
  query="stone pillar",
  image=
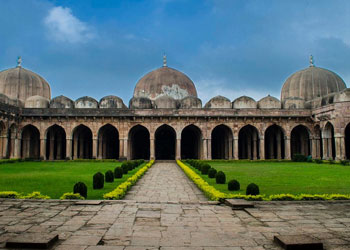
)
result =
(255, 150)
(279, 146)
(230, 147)
(51, 146)
(271, 148)
(313, 145)
(69, 148)
(100, 148)
(43, 148)
(17, 149)
(329, 144)
(209, 155)
(94, 148)
(152, 149)
(127, 150)
(59, 148)
(178, 149)
(262, 148)
(339, 147)
(205, 149)
(235, 148)
(121, 149)
(325, 148)
(5, 145)
(287, 155)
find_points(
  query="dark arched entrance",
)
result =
(248, 143)
(300, 141)
(30, 142)
(328, 142)
(347, 141)
(82, 143)
(274, 143)
(221, 142)
(56, 143)
(108, 142)
(139, 143)
(165, 142)
(191, 142)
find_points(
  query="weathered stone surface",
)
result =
(239, 203)
(41, 241)
(298, 242)
(88, 202)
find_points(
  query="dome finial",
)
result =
(19, 62)
(164, 60)
(312, 61)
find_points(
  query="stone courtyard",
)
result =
(166, 211)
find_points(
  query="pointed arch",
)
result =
(55, 143)
(108, 142)
(165, 142)
(248, 143)
(82, 142)
(328, 141)
(347, 141)
(300, 141)
(139, 143)
(191, 137)
(30, 144)
(221, 142)
(274, 142)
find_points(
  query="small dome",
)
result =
(244, 102)
(19, 84)
(165, 102)
(36, 102)
(112, 101)
(311, 83)
(165, 81)
(86, 102)
(218, 102)
(296, 103)
(140, 103)
(190, 102)
(269, 102)
(61, 102)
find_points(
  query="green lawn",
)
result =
(55, 178)
(284, 177)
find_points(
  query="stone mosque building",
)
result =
(165, 119)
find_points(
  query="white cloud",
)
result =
(63, 26)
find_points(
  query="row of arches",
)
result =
(167, 146)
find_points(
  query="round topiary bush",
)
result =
(80, 188)
(118, 172)
(205, 168)
(212, 172)
(109, 176)
(98, 181)
(125, 167)
(252, 189)
(220, 177)
(233, 185)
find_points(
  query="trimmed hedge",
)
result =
(220, 177)
(109, 176)
(212, 172)
(118, 172)
(233, 185)
(98, 181)
(80, 188)
(252, 189)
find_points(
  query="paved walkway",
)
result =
(165, 182)
(132, 225)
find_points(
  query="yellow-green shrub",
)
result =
(10, 194)
(71, 196)
(36, 195)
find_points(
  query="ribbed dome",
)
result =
(165, 81)
(311, 83)
(19, 84)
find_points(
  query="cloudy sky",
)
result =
(227, 47)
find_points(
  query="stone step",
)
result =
(39, 241)
(238, 204)
(298, 242)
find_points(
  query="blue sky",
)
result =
(227, 47)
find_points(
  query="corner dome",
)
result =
(19, 84)
(311, 83)
(165, 81)
(269, 102)
(244, 102)
(219, 102)
(140, 103)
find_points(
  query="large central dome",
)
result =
(165, 81)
